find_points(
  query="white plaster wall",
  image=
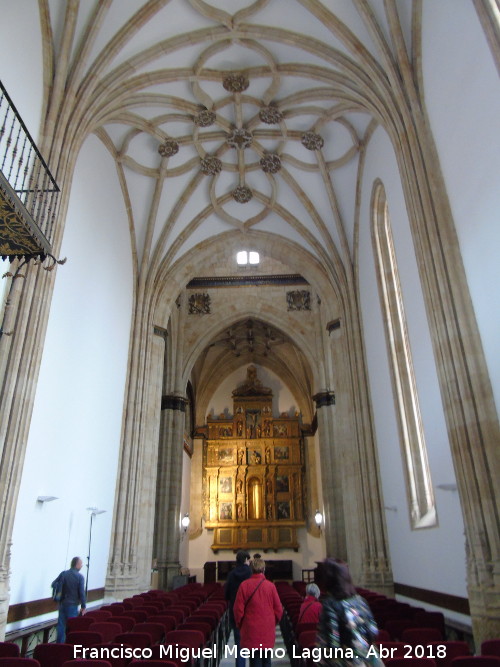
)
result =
(21, 65)
(462, 98)
(431, 558)
(222, 400)
(74, 439)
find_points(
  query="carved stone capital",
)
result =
(324, 398)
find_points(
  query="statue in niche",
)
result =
(268, 455)
(259, 431)
(239, 486)
(239, 428)
(267, 428)
(241, 455)
(239, 511)
(269, 512)
(255, 457)
(269, 486)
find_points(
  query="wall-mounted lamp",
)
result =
(185, 521)
(46, 499)
(318, 519)
(391, 508)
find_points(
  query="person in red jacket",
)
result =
(310, 609)
(257, 609)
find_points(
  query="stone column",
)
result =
(169, 488)
(331, 477)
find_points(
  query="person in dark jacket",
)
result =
(346, 622)
(234, 579)
(73, 594)
(257, 610)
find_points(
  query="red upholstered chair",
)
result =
(191, 638)
(115, 662)
(430, 619)
(421, 636)
(490, 647)
(136, 613)
(204, 628)
(107, 629)
(475, 661)
(53, 655)
(84, 637)
(125, 622)
(155, 630)
(396, 627)
(116, 608)
(11, 661)
(134, 639)
(99, 614)
(410, 662)
(453, 649)
(9, 650)
(383, 636)
(173, 612)
(79, 623)
(168, 622)
(204, 618)
(87, 663)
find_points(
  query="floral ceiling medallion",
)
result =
(270, 163)
(242, 194)
(239, 138)
(168, 148)
(204, 118)
(270, 114)
(236, 83)
(312, 141)
(211, 165)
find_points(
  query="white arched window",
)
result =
(414, 451)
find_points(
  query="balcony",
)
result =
(28, 191)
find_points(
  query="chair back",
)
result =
(421, 636)
(84, 637)
(53, 655)
(107, 629)
(490, 647)
(134, 639)
(9, 650)
(11, 661)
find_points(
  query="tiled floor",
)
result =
(279, 649)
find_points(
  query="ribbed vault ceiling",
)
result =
(230, 114)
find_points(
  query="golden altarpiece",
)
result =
(253, 473)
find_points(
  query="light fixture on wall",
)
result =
(46, 499)
(318, 519)
(94, 511)
(185, 521)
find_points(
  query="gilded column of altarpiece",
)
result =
(253, 473)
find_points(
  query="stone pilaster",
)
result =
(168, 495)
(331, 476)
(129, 568)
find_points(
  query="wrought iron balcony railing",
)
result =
(28, 191)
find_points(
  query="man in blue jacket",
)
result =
(234, 578)
(73, 594)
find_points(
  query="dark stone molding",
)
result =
(172, 402)
(324, 398)
(162, 333)
(333, 325)
(33, 608)
(444, 600)
(236, 281)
